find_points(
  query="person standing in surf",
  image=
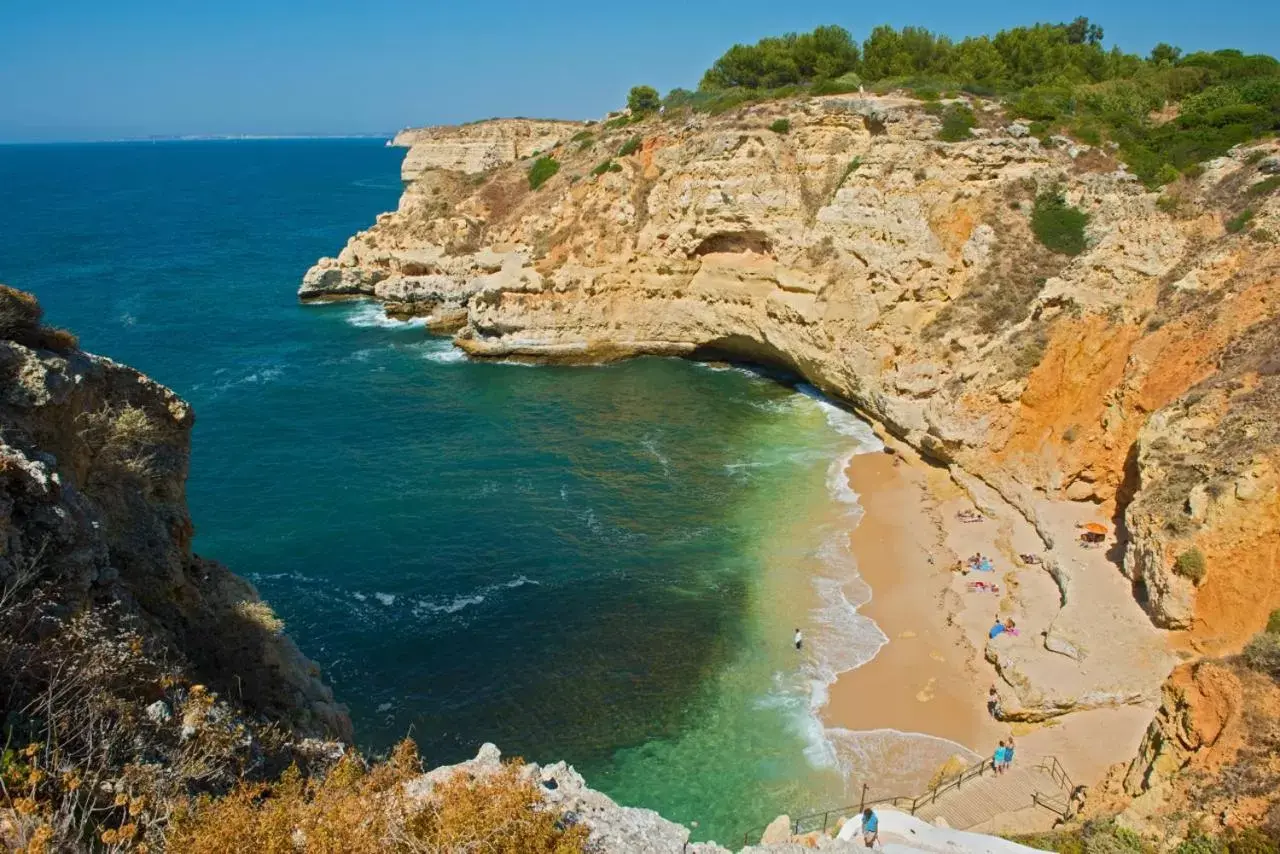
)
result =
(799, 639)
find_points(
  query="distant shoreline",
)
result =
(203, 138)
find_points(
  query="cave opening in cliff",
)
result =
(744, 350)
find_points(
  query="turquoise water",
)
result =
(602, 565)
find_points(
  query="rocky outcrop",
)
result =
(613, 828)
(901, 274)
(1209, 760)
(478, 147)
(94, 524)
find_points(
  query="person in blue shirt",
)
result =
(997, 759)
(1008, 754)
(870, 827)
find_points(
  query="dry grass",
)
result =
(20, 316)
(360, 808)
(123, 439)
(261, 614)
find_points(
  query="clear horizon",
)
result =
(74, 71)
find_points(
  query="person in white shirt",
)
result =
(799, 639)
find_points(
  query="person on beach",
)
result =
(1008, 753)
(799, 639)
(997, 629)
(1011, 627)
(997, 759)
(870, 827)
(993, 703)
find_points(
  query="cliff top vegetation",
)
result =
(1165, 112)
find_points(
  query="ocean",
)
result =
(603, 565)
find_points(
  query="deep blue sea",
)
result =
(602, 565)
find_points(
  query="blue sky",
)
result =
(126, 68)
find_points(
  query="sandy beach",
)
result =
(923, 679)
(932, 676)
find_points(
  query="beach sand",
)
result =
(931, 677)
(924, 679)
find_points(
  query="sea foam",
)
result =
(371, 314)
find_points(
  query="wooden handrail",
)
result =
(1049, 765)
(910, 803)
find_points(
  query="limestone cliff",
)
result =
(478, 147)
(900, 273)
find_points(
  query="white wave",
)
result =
(371, 314)
(521, 581)
(384, 707)
(445, 357)
(263, 376)
(730, 367)
(651, 445)
(838, 639)
(128, 319)
(780, 406)
(387, 599)
(843, 421)
(423, 608)
(838, 479)
(359, 597)
(892, 761)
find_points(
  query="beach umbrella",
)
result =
(1095, 528)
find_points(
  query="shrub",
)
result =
(1167, 174)
(781, 126)
(643, 99)
(501, 813)
(849, 170)
(825, 53)
(630, 147)
(360, 808)
(1057, 225)
(848, 82)
(1263, 654)
(1273, 622)
(1190, 565)
(957, 123)
(1239, 221)
(541, 171)
(582, 136)
(262, 615)
(20, 312)
(617, 122)
(1265, 186)
(20, 321)
(606, 166)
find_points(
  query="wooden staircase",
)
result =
(983, 798)
(973, 796)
